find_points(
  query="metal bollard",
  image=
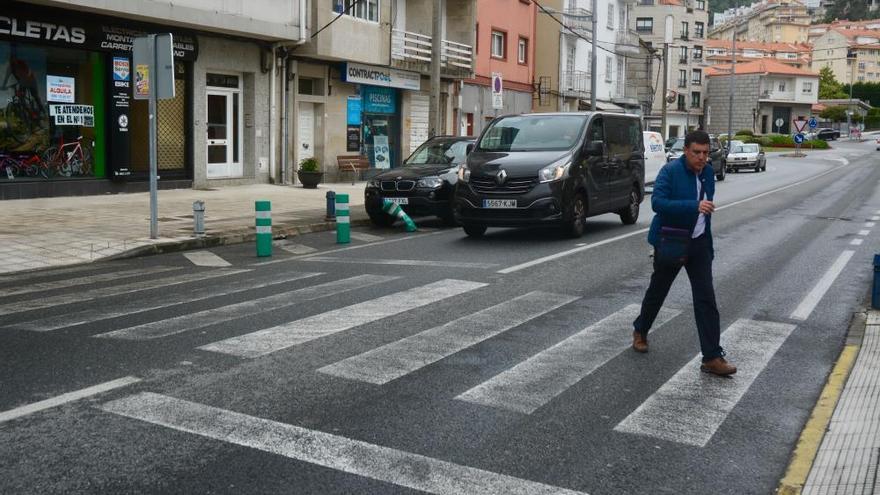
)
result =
(343, 220)
(331, 206)
(199, 218)
(875, 291)
(264, 228)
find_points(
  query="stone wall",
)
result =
(745, 97)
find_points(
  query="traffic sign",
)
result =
(799, 125)
(497, 91)
(799, 138)
(813, 123)
(779, 122)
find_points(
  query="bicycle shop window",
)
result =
(49, 94)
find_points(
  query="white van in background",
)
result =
(655, 155)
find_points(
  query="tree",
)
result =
(834, 114)
(829, 88)
(851, 10)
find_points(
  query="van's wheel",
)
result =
(630, 214)
(576, 217)
(473, 230)
(723, 172)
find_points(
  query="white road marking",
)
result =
(541, 378)
(545, 259)
(371, 261)
(405, 356)
(361, 246)
(206, 258)
(298, 248)
(208, 317)
(26, 277)
(274, 339)
(875, 218)
(91, 279)
(361, 236)
(870, 224)
(841, 160)
(347, 455)
(864, 232)
(87, 295)
(65, 398)
(692, 405)
(856, 242)
(812, 299)
(137, 307)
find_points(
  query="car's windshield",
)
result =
(533, 133)
(438, 152)
(678, 145)
(746, 148)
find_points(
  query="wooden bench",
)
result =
(355, 164)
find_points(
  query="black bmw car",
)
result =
(423, 185)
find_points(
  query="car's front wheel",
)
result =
(630, 214)
(575, 220)
(474, 230)
(722, 172)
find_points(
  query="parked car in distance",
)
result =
(826, 134)
(423, 184)
(734, 143)
(676, 150)
(655, 155)
(717, 158)
(669, 142)
(747, 156)
(552, 169)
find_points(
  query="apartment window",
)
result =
(610, 16)
(684, 30)
(362, 9)
(682, 78)
(861, 66)
(569, 59)
(697, 77)
(808, 87)
(695, 99)
(609, 68)
(499, 44)
(477, 38)
(781, 86)
(645, 24)
(683, 54)
(698, 52)
(522, 51)
(681, 103)
(646, 2)
(701, 4)
(622, 19)
(698, 29)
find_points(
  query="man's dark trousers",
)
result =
(699, 270)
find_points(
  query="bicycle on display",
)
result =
(23, 166)
(70, 158)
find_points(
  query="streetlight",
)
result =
(851, 58)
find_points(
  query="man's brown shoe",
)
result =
(640, 342)
(718, 366)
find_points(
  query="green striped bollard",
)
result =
(343, 220)
(264, 228)
(396, 211)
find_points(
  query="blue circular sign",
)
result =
(812, 123)
(798, 138)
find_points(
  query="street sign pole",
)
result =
(154, 168)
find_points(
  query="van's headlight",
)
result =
(555, 171)
(464, 173)
(429, 182)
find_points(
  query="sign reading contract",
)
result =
(381, 76)
(79, 115)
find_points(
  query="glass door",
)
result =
(223, 134)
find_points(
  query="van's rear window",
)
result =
(533, 133)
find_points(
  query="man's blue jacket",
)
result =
(674, 199)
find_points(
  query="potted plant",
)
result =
(308, 173)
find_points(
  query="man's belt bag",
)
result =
(673, 246)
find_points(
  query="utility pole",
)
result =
(434, 113)
(667, 39)
(852, 61)
(730, 96)
(593, 57)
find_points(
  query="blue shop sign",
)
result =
(377, 99)
(354, 110)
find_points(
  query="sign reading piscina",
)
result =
(381, 76)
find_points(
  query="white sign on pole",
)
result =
(381, 152)
(497, 91)
(799, 125)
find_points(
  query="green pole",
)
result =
(264, 228)
(343, 220)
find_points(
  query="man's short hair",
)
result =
(698, 137)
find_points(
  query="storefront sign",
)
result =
(354, 108)
(60, 89)
(379, 100)
(381, 76)
(353, 138)
(121, 72)
(78, 115)
(141, 81)
(381, 155)
(119, 150)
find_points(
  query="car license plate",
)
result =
(399, 201)
(499, 203)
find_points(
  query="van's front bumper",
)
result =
(543, 204)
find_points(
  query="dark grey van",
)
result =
(552, 168)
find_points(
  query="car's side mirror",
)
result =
(594, 148)
(469, 148)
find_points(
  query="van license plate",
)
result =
(499, 203)
(399, 201)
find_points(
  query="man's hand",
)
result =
(706, 207)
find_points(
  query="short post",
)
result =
(199, 218)
(875, 291)
(331, 206)
(343, 220)
(264, 228)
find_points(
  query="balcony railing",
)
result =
(682, 83)
(682, 60)
(412, 47)
(578, 20)
(575, 83)
(627, 42)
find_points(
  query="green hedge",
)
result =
(781, 141)
(872, 121)
(744, 132)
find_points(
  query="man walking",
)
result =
(683, 199)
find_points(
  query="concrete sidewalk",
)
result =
(47, 232)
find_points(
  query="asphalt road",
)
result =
(436, 363)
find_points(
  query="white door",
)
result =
(223, 134)
(418, 130)
(306, 123)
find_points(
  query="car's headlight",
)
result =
(555, 171)
(429, 182)
(464, 173)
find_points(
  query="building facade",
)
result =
(778, 21)
(853, 55)
(686, 22)
(765, 92)
(796, 55)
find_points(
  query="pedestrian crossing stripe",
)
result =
(405, 356)
(357, 457)
(402, 262)
(206, 258)
(691, 406)
(538, 380)
(280, 337)
(208, 317)
(77, 281)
